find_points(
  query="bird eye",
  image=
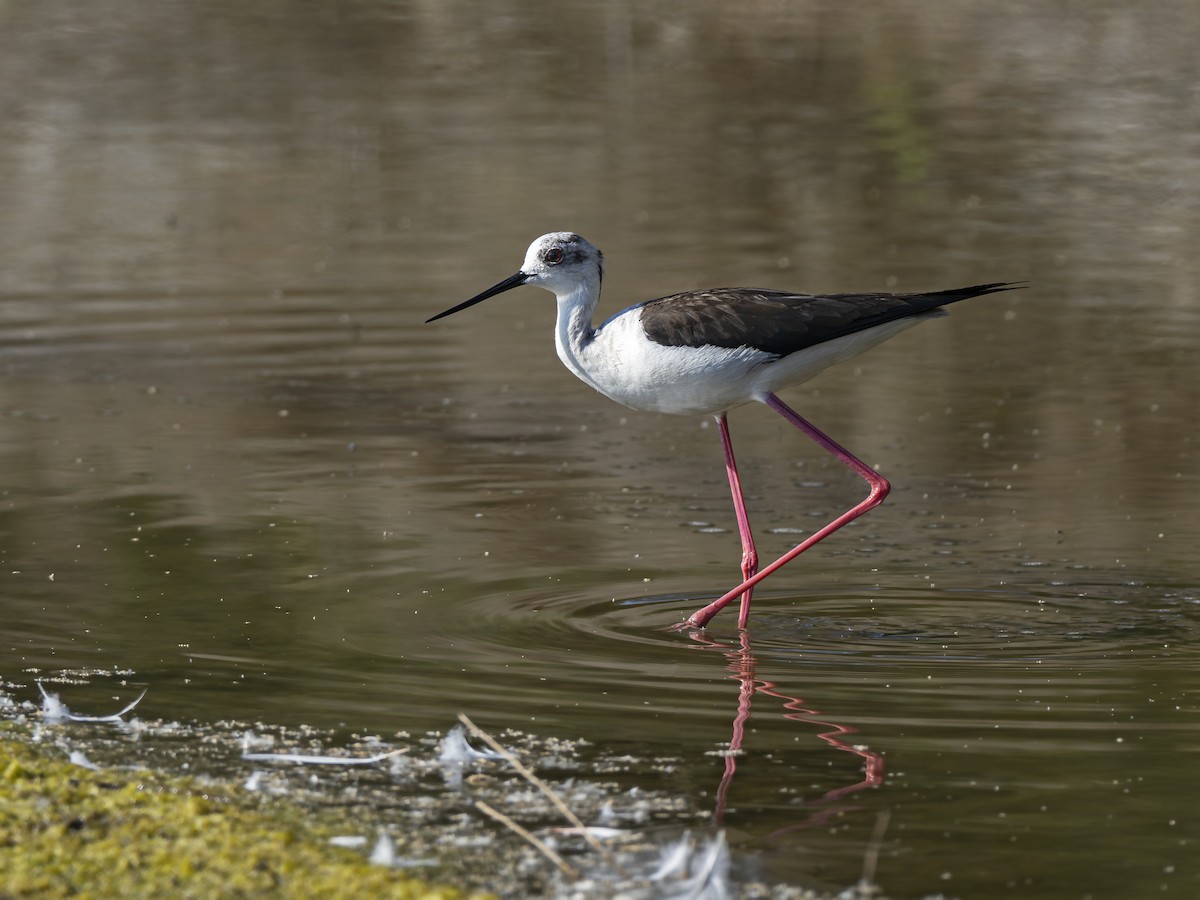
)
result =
(553, 256)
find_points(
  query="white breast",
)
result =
(621, 363)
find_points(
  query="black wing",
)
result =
(782, 323)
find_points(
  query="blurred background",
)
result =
(238, 469)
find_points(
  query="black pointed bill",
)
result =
(506, 285)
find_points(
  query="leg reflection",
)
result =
(742, 665)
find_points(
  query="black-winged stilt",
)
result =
(709, 351)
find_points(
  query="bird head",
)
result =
(562, 262)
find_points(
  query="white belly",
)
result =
(621, 363)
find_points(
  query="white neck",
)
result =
(573, 332)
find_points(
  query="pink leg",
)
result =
(879, 490)
(749, 554)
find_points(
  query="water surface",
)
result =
(238, 466)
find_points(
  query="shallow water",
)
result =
(239, 466)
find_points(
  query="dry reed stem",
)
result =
(533, 779)
(533, 839)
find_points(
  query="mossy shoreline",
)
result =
(67, 830)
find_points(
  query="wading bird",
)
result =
(706, 352)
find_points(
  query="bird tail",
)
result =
(976, 290)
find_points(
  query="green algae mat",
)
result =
(66, 830)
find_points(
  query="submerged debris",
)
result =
(55, 711)
(685, 869)
(690, 867)
(585, 830)
(307, 759)
(384, 853)
(350, 841)
(79, 758)
(456, 754)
